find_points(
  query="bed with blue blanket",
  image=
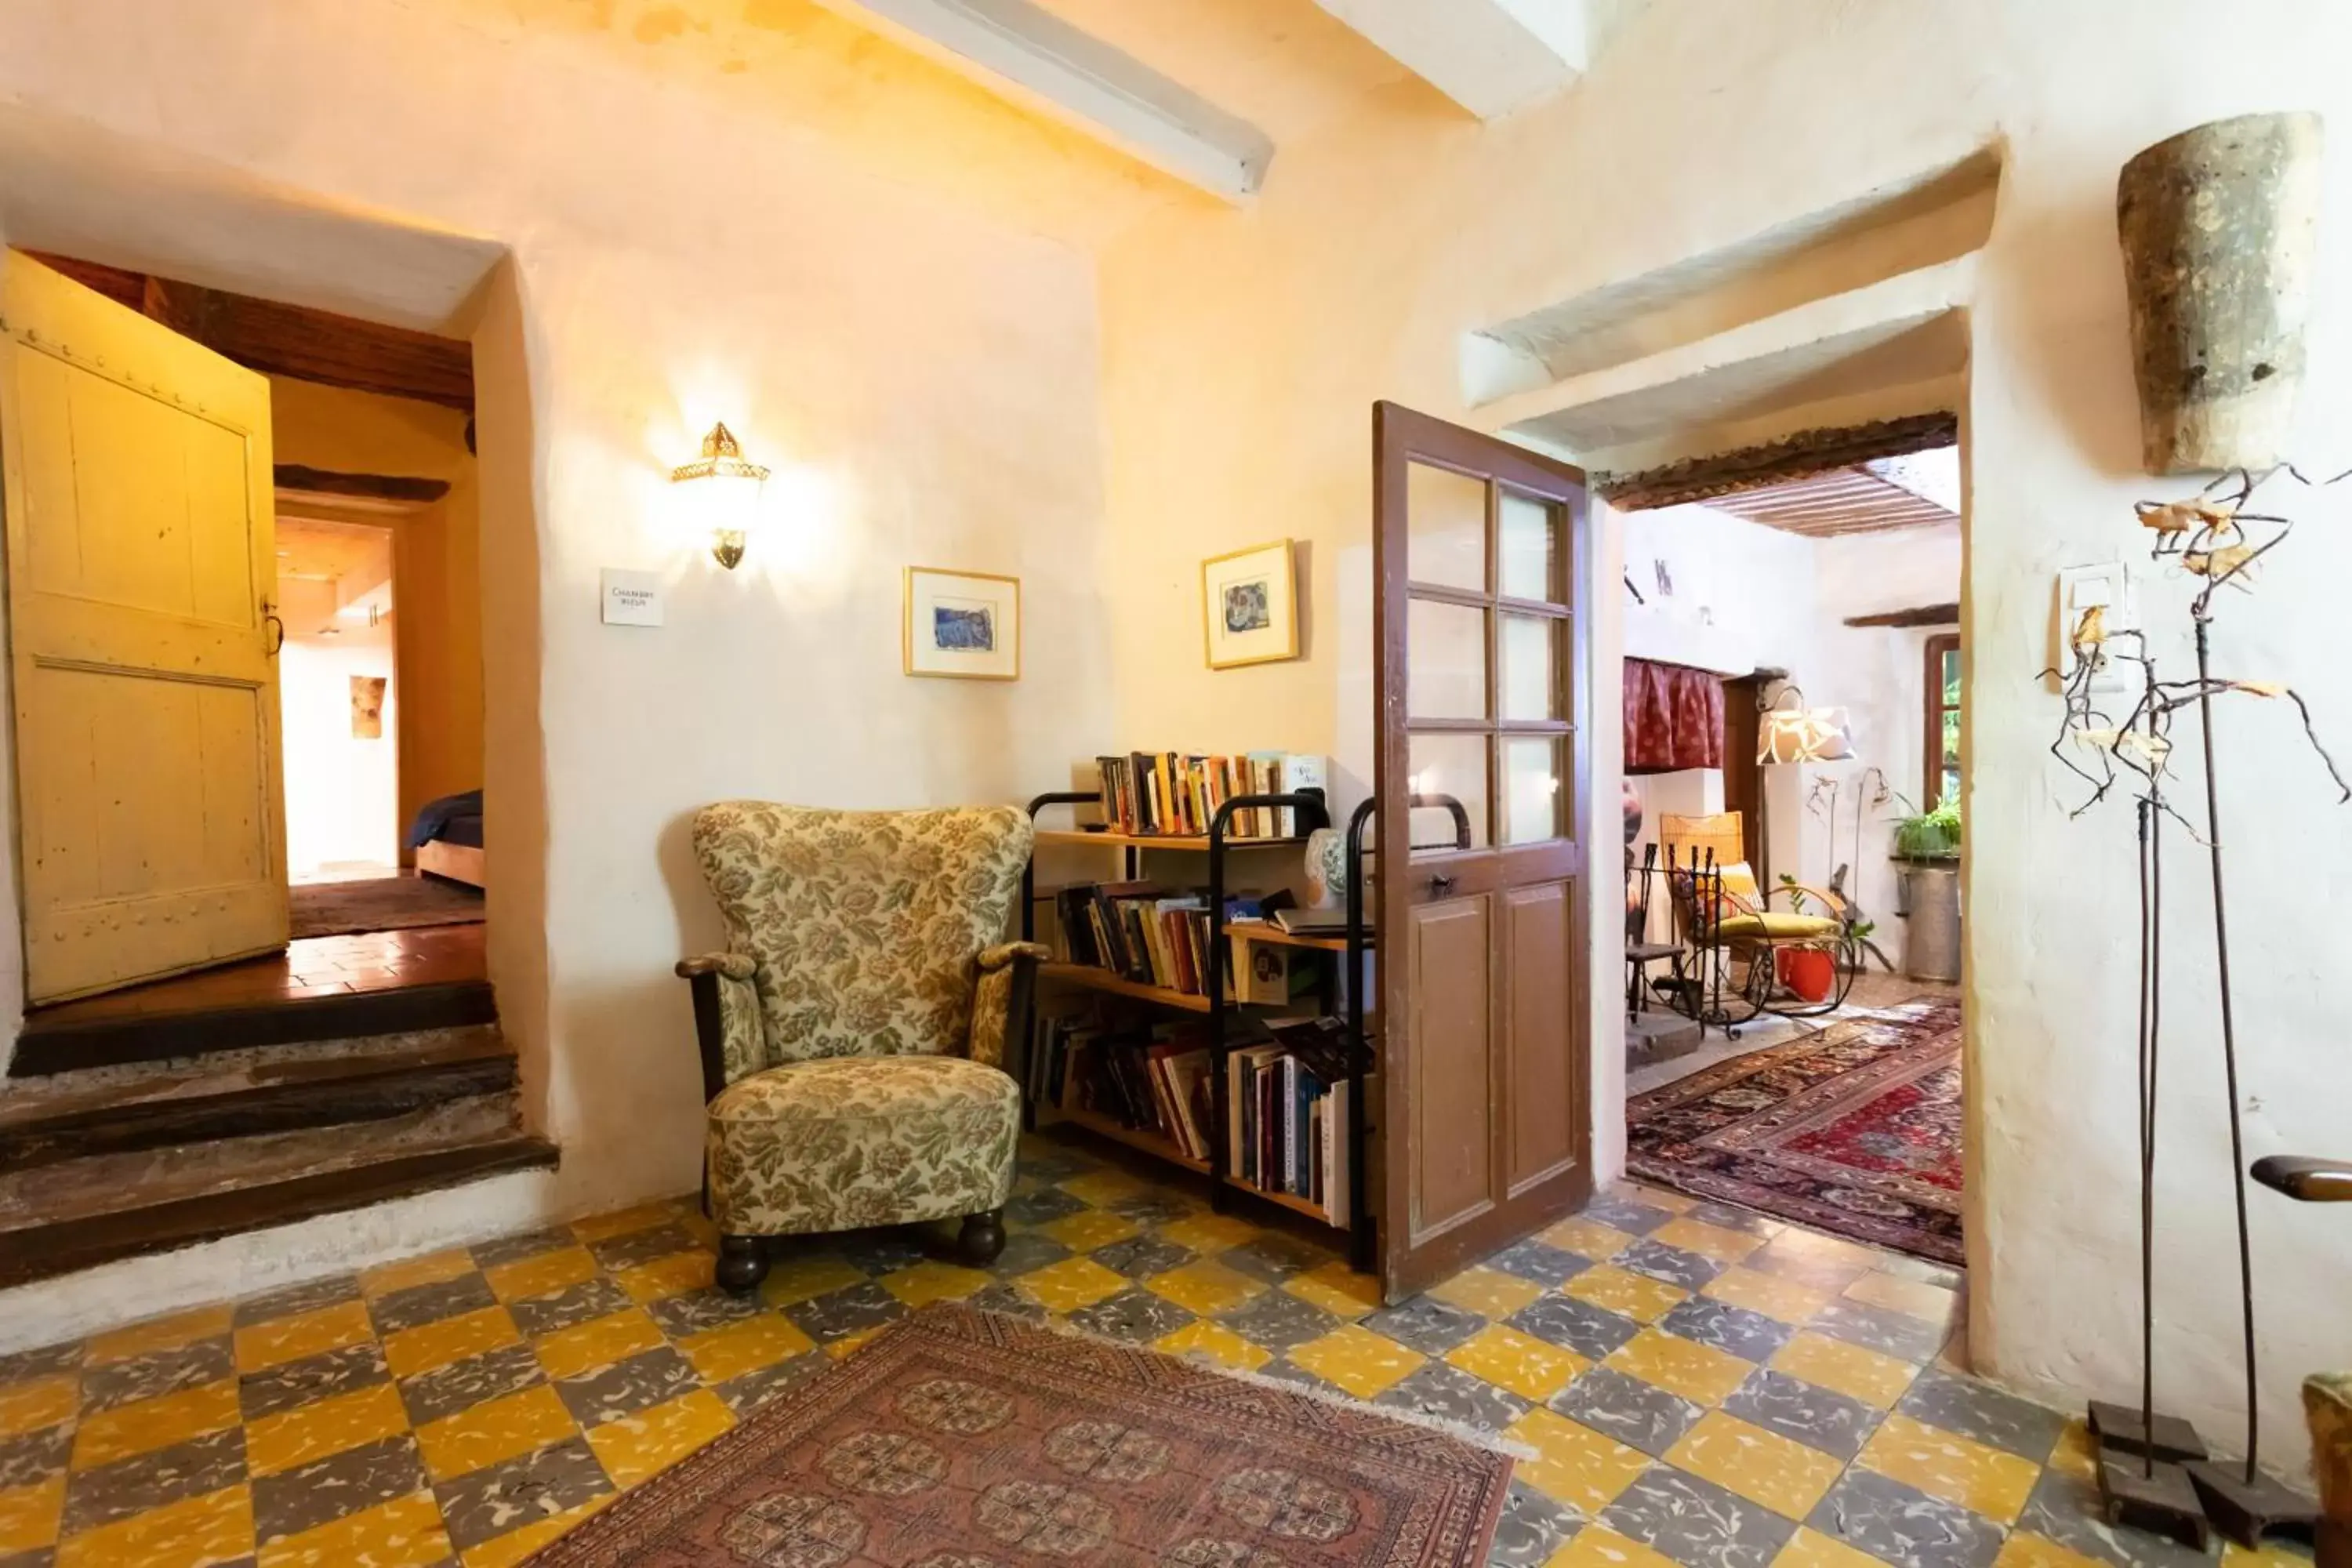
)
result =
(447, 838)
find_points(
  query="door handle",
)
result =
(1440, 886)
(271, 623)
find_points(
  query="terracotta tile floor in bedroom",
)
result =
(1699, 1387)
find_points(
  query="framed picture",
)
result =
(1249, 602)
(964, 625)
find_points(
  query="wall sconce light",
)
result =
(726, 493)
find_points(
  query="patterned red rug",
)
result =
(969, 1440)
(1854, 1130)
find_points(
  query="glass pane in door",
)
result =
(1535, 788)
(1530, 677)
(1449, 772)
(1528, 547)
(1446, 660)
(1446, 528)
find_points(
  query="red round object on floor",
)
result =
(1810, 971)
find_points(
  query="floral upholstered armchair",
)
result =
(853, 1034)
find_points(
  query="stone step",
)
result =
(239, 1094)
(55, 1043)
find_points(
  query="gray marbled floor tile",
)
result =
(1818, 1418)
(164, 1371)
(1142, 1257)
(1904, 1267)
(42, 1362)
(110, 1492)
(1001, 1297)
(617, 1252)
(1591, 1331)
(1801, 1256)
(1540, 1262)
(35, 1456)
(1451, 1394)
(461, 1385)
(502, 1498)
(422, 1304)
(1901, 1524)
(2069, 1512)
(1620, 1211)
(297, 1383)
(625, 1387)
(1425, 1325)
(1731, 1216)
(1154, 1208)
(1135, 1314)
(1279, 1321)
(47, 1557)
(297, 1299)
(1055, 1164)
(1974, 1410)
(530, 1244)
(1696, 1522)
(1275, 1257)
(1532, 1526)
(1751, 1336)
(1042, 1207)
(1281, 1370)
(292, 1501)
(699, 1312)
(1897, 1334)
(839, 1313)
(753, 1389)
(1637, 1413)
(569, 1308)
(1025, 1251)
(1671, 1264)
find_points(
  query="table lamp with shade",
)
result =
(1787, 734)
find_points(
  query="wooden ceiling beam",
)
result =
(1924, 616)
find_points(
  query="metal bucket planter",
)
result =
(2219, 230)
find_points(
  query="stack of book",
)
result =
(1147, 934)
(1152, 1081)
(1173, 795)
(1288, 1128)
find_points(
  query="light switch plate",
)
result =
(2107, 585)
(632, 598)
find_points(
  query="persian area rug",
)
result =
(1854, 1130)
(968, 1439)
(380, 903)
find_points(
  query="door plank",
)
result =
(1539, 1096)
(1452, 1066)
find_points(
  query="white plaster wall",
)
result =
(1243, 351)
(343, 790)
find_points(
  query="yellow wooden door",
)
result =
(139, 504)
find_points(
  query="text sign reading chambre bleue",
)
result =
(632, 598)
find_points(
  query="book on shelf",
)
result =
(1154, 935)
(1147, 1080)
(1299, 921)
(1173, 795)
(1287, 1133)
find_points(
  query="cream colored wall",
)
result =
(1242, 352)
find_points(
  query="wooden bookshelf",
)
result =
(1197, 842)
(1155, 1144)
(1275, 936)
(1103, 980)
(1290, 1201)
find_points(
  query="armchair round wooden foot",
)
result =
(742, 1264)
(981, 1238)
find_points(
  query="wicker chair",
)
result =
(1732, 930)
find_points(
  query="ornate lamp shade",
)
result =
(724, 492)
(1801, 734)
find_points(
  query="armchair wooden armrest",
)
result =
(728, 1032)
(999, 1014)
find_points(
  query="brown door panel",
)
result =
(1541, 1099)
(1452, 1059)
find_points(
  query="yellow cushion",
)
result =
(1781, 927)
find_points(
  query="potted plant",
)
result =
(1928, 844)
(1931, 837)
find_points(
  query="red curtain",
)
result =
(1673, 718)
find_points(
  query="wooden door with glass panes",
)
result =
(1484, 570)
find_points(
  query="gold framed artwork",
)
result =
(1249, 606)
(962, 626)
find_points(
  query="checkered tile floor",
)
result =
(1699, 1387)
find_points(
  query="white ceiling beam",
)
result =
(1488, 55)
(1027, 55)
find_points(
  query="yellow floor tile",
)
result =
(409, 1272)
(291, 1437)
(1790, 1301)
(1337, 1288)
(1357, 1360)
(623, 1221)
(932, 1280)
(263, 1345)
(1520, 1362)
(2273, 1553)
(160, 1334)
(1637, 1296)
(1665, 1198)
(194, 1533)
(584, 1347)
(494, 1430)
(1209, 1233)
(792, 1280)
(1094, 1227)
(2023, 1548)
(652, 1440)
(402, 1533)
(1215, 1342)
(849, 1346)
(144, 1426)
(1101, 1187)
(1574, 1465)
(413, 1351)
(1812, 1549)
(1931, 1302)
(1700, 1373)
(1207, 1288)
(2076, 1453)
(667, 1277)
(1070, 1285)
(1762, 1467)
(542, 1276)
(1489, 1292)
(1875, 1379)
(747, 1346)
(1598, 1546)
(1945, 1465)
(1707, 1240)
(28, 1515)
(506, 1551)
(36, 1403)
(1587, 1239)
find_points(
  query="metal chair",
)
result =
(1640, 950)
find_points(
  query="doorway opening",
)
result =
(1795, 715)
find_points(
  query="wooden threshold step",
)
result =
(48, 1044)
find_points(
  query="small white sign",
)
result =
(632, 598)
